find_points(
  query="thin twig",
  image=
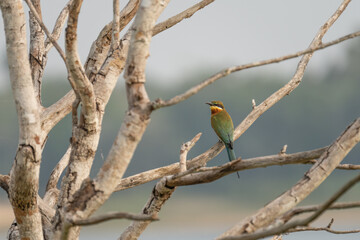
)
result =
(4, 182)
(283, 149)
(185, 148)
(57, 171)
(329, 202)
(113, 215)
(253, 103)
(59, 24)
(115, 25)
(261, 233)
(179, 17)
(159, 103)
(302, 229)
(345, 166)
(184, 173)
(44, 28)
(330, 223)
(306, 209)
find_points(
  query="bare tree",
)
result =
(60, 213)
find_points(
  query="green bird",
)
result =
(223, 126)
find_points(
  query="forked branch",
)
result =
(311, 180)
(159, 195)
(44, 28)
(261, 233)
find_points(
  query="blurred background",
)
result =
(221, 35)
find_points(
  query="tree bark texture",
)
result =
(24, 175)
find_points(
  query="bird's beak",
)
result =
(209, 103)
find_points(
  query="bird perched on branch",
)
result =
(223, 126)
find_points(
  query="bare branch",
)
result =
(24, 175)
(85, 134)
(59, 214)
(104, 83)
(140, 43)
(36, 56)
(81, 83)
(111, 216)
(303, 222)
(305, 209)
(253, 103)
(225, 169)
(44, 28)
(115, 25)
(159, 195)
(64, 104)
(52, 115)
(137, 119)
(104, 75)
(241, 128)
(276, 208)
(93, 193)
(39, 49)
(57, 171)
(330, 223)
(129, 11)
(185, 148)
(179, 17)
(283, 149)
(327, 229)
(329, 202)
(101, 45)
(312, 179)
(209, 174)
(59, 24)
(341, 166)
(5, 182)
(159, 103)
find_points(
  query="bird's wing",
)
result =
(231, 143)
(223, 128)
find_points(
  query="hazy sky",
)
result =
(224, 34)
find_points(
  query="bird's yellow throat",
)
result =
(215, 109)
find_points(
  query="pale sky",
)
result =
(223, 34)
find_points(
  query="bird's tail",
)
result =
(231, 155)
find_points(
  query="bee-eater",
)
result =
(223, 126)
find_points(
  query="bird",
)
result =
(223, 126)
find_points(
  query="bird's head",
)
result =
(216, 106)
